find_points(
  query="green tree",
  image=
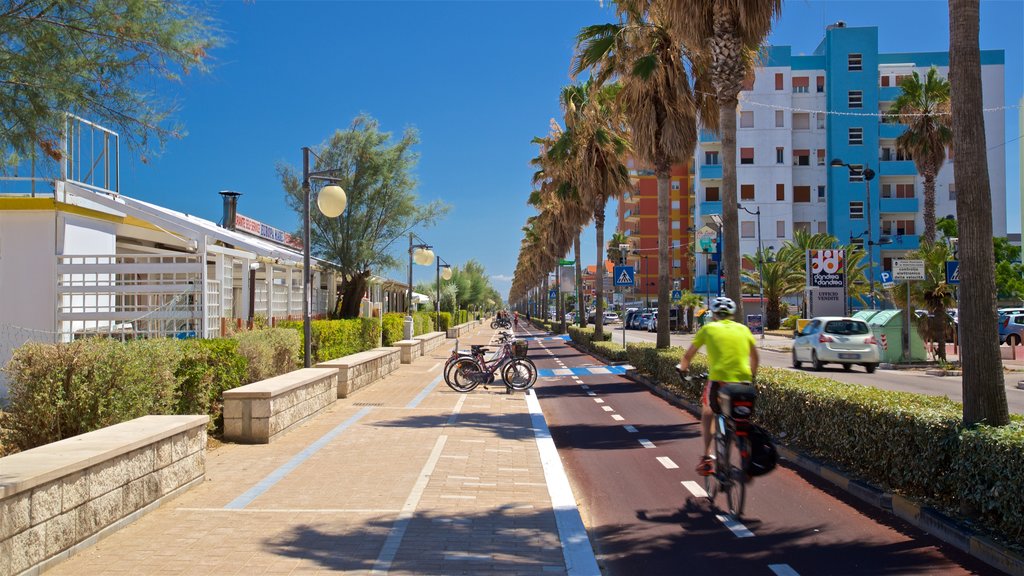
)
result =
(95, 59)
(931, 294)
(924, 108)
(778, 278)
(376, 174)
(613, 252)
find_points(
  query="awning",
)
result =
(418, 298)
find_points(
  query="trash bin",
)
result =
(887, 327)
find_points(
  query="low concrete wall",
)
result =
(359, 370)
(431, 341)
(57, 500)
(257, 412)
(463, 329)
(409, 350)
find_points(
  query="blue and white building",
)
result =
(799, 112)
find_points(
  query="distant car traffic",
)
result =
(1011, 329)
(610, 317)
(836, 340)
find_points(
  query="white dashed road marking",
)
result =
(783, 570)
(734, 525)
(607, 409)
(667, 462)
(599, 400)
(646, 443)
(695, 489)
(617, 418)
(630, 429)
(589, 393)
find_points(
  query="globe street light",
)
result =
(331, 201)
(423, 255)
(760, 284)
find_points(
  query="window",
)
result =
(747, 119)
(780, 119)
(821, 193)
(780, 192)
(675, 204)
(883, 81)
(820, 117)
(801, 84)
(952, 191)
(899, 78)
(801, 121)
(780, 228)
(894, 154)
(780, 155)
(821, 156)
(711, 194)
(801, 227)
(746, 191)
(822, 227)
(746, 155)
(801, 193)
(778, 81)
(676, 244)
(677, 263)
(898, 227)
(854, 62)
(897, 190)
(856, 210)
(675, 184)
(747, 229)
(855, 137)
(858, 242)
(711, 158)
(855, 99)
(675, 224)
(821, 84)
(801, 157)
(856, 172)
(748, 81)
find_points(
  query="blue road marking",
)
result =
(550, 372)
(423, 394)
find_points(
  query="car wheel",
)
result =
(847, 367)
(814, 360)
(1013, 340)
(870, 368)
(796, 363)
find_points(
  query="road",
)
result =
(915, 381)
(630, 457)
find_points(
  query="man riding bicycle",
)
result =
(732, 357)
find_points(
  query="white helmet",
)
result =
(723, 305)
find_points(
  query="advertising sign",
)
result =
(826, 269)
(706, 238)
(566, 279)
(755, 324)
(262, 230)
(826, 301)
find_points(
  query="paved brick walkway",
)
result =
(392, 480)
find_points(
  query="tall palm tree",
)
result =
(924, 108)
(734, 31)
(778, 278)
(613, 252)
(657, 101)
(984, 393)
(794, 252)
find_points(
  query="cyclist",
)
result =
(515, 322)
(732, 357)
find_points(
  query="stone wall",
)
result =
(257, 412)
(410, 350)
(58, 499)
(463, 329)
(431, 341)
(359, 370)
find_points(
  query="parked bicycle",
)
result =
(501, 323)
(465, 370)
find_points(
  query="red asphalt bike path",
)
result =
(643, 520)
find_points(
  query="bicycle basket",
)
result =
(519, 348)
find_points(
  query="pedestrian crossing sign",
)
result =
(623, 275)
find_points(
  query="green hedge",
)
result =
(610, 350)
(336, 338)
(910, 444)
(585, 336)
(270, 351)
(446, 321)
(392, 328)
(208, 368)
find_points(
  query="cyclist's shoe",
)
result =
(706, 466)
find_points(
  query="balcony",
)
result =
(711, 172)
(886, 131)
(708, 136)
(631, 216)
(712, 207)
(897, 168)
(888, 93)
(706, 284)
(897, 205)
(903, 242)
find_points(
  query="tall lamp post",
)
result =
(868, 175)
(447, 275)
(760, 269)
(331, 201)
(717, 220)
(423, 255)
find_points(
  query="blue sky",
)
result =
(477, 79)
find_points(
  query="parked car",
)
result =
(610, 317)
(640, 321)
(628, 316)
(652, 323)
(1011, 329)
(836, 340)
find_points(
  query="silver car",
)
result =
(836, 340)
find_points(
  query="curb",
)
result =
(925, 518)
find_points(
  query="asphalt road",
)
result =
(630, 458)
(915, 381)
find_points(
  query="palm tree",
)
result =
(924, 108)
(794, 252)
(778, 278)
(857, 284)
(734, 31)
(613, 252)
(984, 392)
(657, 101)
(932, 293)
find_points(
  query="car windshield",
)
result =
(846, 327)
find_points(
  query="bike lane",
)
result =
(630, 456)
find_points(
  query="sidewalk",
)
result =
(405, 477)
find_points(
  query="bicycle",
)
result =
(465, 371)
(732, 443)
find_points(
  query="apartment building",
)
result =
(798, 113)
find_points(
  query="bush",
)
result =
(271, 351)
(989, 471)
(392, 327)
(336, 338)
(446, 321)
(613, 352)
(790, 322)
(422, 322)
(208, 368)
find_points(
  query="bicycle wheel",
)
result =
(736, 495)
(458, 375)
(519, 374)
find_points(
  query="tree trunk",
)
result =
(772, 317)
(730, 219)
(929, 205)
(983, 392)
(581, 319)
(352, 292)
(663, 171)
(599, 273)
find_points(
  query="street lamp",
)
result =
(647, 298)
(447, 275)
(868, 175)
(331, 201)
(716, 219)
(423, 255)
(760, 280)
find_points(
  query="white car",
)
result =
(836, 340)
(610, 317)
(652, 323)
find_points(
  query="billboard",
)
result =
(826, 268)
(567, 279)
(826, 301)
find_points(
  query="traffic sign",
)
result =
(553, 293)
(623, 275)
(887, 282)
(677, 294)
(953, 272)
(908, 269)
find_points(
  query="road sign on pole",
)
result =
(953, 272)
(677, 294)
(908, 269)
(887, 282)
(623, 275)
